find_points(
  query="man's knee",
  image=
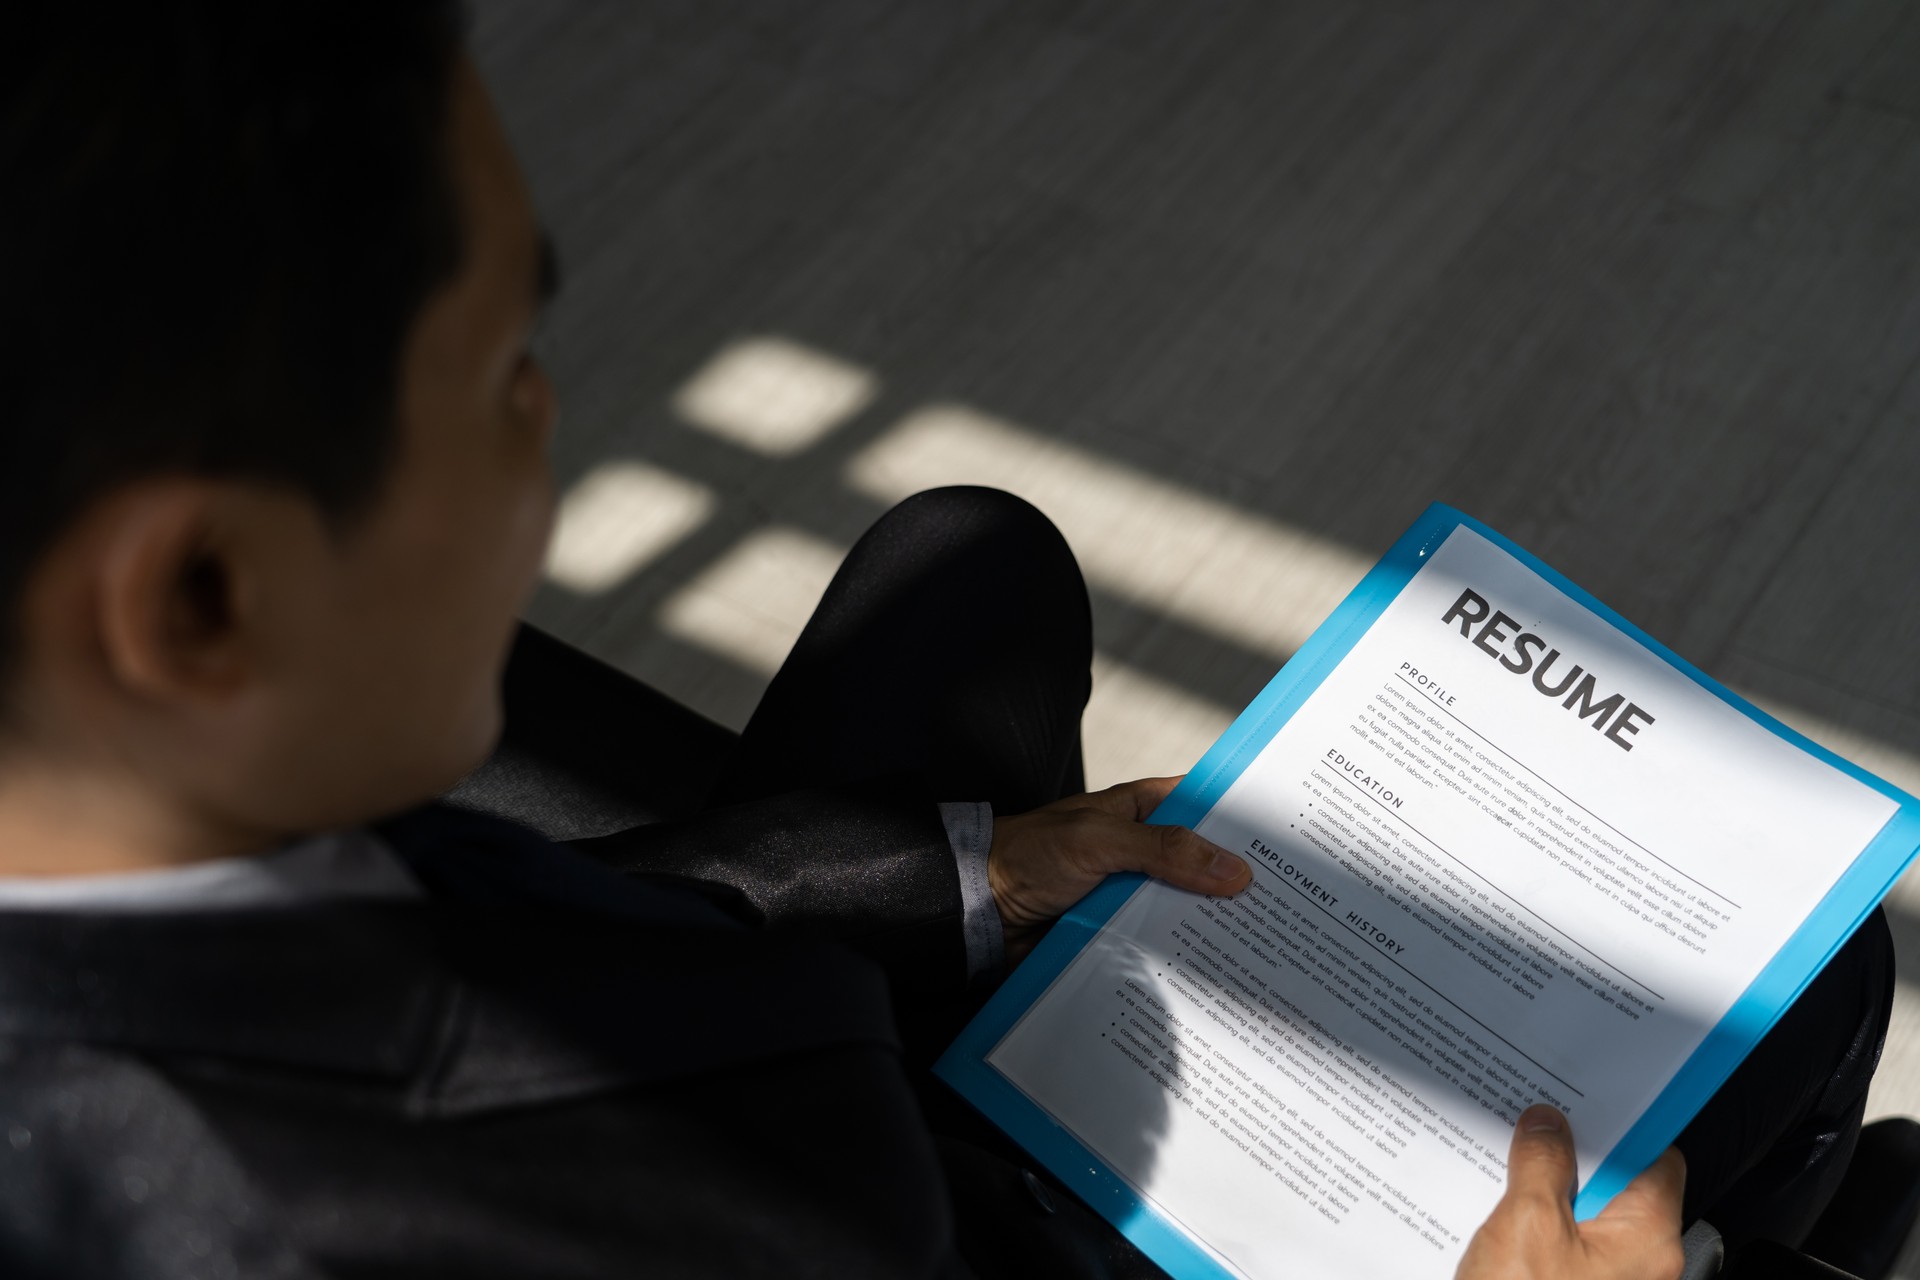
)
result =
(1011, 535)
(979, 511)
(989, 552)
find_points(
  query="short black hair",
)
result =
(218, 219)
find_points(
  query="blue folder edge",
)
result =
(1851, 899)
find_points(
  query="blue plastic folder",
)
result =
(1851, 899)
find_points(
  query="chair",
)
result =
(1860, 1235)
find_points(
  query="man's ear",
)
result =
(171, 599)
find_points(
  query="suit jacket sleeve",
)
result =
(872, 870)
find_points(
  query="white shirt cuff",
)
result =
(970, 831)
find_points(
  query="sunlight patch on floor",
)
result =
(618, 518)
(773, 395)
(1139, 726)
(751, 604)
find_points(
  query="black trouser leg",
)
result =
(950, 656)
(951, 653)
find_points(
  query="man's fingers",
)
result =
(1173, 854)
(1134, 801)
(1043, 862)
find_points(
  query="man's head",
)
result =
(272, 465)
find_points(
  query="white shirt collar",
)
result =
(353, 864)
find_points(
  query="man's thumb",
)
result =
(1542, 1162)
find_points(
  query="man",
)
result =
(274, 487)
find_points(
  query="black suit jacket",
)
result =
(540, 1070)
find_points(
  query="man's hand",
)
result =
(1532, 1234)
(1043, 862)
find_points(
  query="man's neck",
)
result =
(55, 823)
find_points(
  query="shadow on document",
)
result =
(1160, 1075)
(1100, 1056)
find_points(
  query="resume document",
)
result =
(1506, 850)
